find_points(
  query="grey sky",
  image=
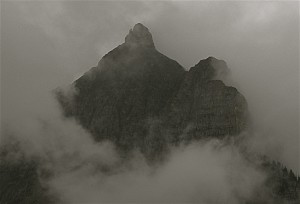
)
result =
(49, 44)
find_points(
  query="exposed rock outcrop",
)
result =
(139, 98)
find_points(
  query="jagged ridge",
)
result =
(139, 98)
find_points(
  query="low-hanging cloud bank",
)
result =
(196, 173)
(208, 172)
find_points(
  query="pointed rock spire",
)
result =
(139, 36)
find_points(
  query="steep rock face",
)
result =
(131, 85)
(204, 106)
(139, 98)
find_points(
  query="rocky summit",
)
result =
(138, 98)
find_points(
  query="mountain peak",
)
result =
(211, 60)
(139, 36)
(211, 68)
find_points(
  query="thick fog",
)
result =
(49, 44)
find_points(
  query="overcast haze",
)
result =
(49, 44)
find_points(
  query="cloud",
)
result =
(85, 171)
(205, 173)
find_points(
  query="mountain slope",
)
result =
(139, 98)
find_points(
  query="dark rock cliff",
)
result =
(139, 98)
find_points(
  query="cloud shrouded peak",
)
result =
(211, 68)
(139, 36)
